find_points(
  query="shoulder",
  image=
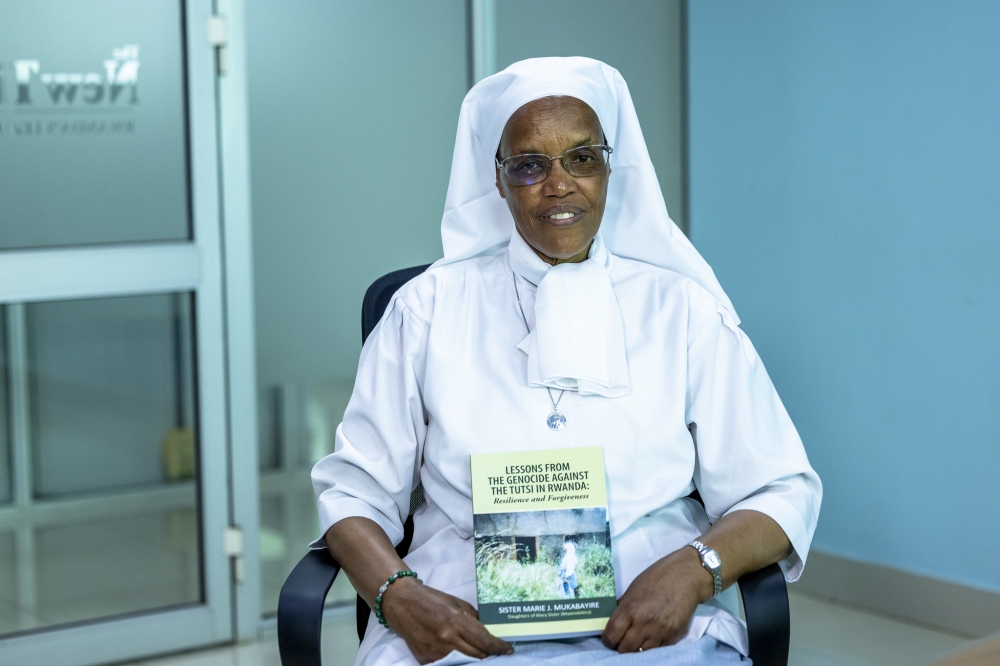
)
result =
(439, 285)
(669, 294)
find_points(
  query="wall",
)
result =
(644, 43)
(844, 185)
(353, 111)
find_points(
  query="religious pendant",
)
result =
(556, 421)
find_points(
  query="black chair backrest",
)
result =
(380, 293)
(372, 308)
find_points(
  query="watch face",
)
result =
(712, 559)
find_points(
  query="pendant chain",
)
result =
(556, 421)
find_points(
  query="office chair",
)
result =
(300, 606)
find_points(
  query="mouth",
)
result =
(562, 215)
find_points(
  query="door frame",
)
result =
(196, 266)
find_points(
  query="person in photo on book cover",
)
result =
(567, 570)
(568, 311)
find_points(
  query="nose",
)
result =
(560, 182)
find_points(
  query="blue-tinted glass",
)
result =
(112, 450)
(112, 396)
(93, 126)
(5, 453)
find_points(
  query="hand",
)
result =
(434, 623)
(658, 606)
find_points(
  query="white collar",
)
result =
(578, 343)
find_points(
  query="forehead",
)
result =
(551, 121)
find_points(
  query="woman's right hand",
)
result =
(434, 623)
(431, 622)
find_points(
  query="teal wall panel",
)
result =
(353, 111)
(643, 39)
(845, 186)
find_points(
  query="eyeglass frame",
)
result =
(603, 146)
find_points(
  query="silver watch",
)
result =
(711, 561)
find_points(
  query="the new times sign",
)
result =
(98, 100)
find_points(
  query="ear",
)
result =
(499, 184)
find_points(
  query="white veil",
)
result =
(636, 224)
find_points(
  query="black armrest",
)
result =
(300, 608)
(765, 602)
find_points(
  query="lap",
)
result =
(390, 650)
(705, 650)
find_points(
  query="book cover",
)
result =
(543, 545)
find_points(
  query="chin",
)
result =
(563, 253)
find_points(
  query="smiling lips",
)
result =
(562, 215)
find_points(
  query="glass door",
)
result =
(114, 498)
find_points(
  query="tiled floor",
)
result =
(823, 634)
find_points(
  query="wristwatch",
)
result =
(711, 561)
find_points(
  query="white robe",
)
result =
(442, 376)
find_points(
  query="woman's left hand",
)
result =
(658, 606)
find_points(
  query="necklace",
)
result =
(556, 420)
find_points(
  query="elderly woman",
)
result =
(568, 311)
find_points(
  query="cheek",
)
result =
(521, 203)
(598, 196)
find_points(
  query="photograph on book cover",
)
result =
(544, 555)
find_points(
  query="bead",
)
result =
(392, 579)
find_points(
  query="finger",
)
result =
(478, 635)
(649, 644)
(466, 648)
(426, 654)
(636, 637)
(466, 607)
(616, 627)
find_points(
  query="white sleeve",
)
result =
(376, 460)
(749, 454)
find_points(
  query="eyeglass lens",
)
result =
(579, 162)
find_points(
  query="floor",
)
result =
(823, 634)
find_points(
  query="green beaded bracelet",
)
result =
(392, 579)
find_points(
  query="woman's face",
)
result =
(551, 126)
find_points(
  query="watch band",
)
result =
(711, 561)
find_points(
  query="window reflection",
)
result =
(109, 438)
(6, 490)
(112, 400)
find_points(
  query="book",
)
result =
(542, 541)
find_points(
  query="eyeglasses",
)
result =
(531, 168)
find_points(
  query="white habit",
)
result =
(678, 400)
(442, 377)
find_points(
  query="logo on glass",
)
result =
(34, 90)
(117, 84)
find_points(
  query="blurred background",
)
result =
(194, 196)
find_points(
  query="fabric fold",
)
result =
(578, 339)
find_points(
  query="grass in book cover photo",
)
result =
(543, 555)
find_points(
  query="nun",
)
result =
(568, 311)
